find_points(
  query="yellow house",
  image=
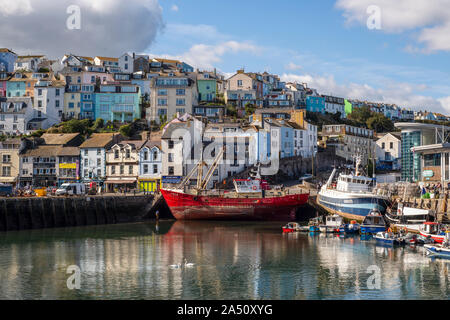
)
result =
(9, 160)
(72, 105)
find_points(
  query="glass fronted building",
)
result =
(425, 152)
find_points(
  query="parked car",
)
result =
(71, 189)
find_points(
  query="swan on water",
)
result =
(188, 265)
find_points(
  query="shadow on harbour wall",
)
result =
(40, 213)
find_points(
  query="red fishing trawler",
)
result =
(252, 199)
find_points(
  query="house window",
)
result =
(391, 145)
(99, 162)
(181, 92)
(130, 169)
(127, 154)
(181, 102)
(113, 170)
(171, 171)
(116, 154)
(170, 157)
(155, 169)
(155, 155)
(122, 169)
(99, 172)
(6, 171)
(145, 168)
(383, 145)
(6, 158)
(145, 155)
(239, 83)
(171, 144)
(99, 152)
(86, 162)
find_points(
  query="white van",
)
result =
(71, 189)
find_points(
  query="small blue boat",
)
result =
(438, 250)
(314, 229)
(350, 228)
(373, 223)
(388, 239)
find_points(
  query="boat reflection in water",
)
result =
(230, 260)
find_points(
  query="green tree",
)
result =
(126, 130)
(249, 109)
(380, 123)
(231, 111)
(361, 115)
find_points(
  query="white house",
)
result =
(126, 63)
(93, 156)
(15, 115)
(30, 63)
(150, 166)
(49, 102)
(389, 151)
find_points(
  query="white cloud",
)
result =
(429, 17)
(15, 7)
(292, 66)
(207, 56)
(403, 94)
(174, 8)
(43, 29)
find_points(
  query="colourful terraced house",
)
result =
(117, 102)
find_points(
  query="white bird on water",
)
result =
(176, 266)
(188, 265)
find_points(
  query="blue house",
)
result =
(117, 102)
(315, 104)
(87, 100)
(7, 60)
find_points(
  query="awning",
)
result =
(120, 181)
(7, 179)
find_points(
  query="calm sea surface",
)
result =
(232, 261)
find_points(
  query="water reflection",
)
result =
(233, 260)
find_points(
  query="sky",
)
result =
(377, 50)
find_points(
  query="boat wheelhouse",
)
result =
(409, 218)
(433, 230)
(332, 224)
(373, 223)
(352, 196)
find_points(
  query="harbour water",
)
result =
(233, 260)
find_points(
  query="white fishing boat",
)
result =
(409, 218)
(332, 224)
(353, 196)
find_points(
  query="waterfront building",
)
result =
(122, 165)
(116, 101)
(350, 141)
(68, 165)
(181, 142)
(29, 63)
(10, 162)
(93, 156)
(425, 152)
(172, 93)
(7, 60)
(150, 166)
(389, 152)
(45, 155)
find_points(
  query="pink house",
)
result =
(4, 76)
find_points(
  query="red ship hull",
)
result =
(189, 207)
